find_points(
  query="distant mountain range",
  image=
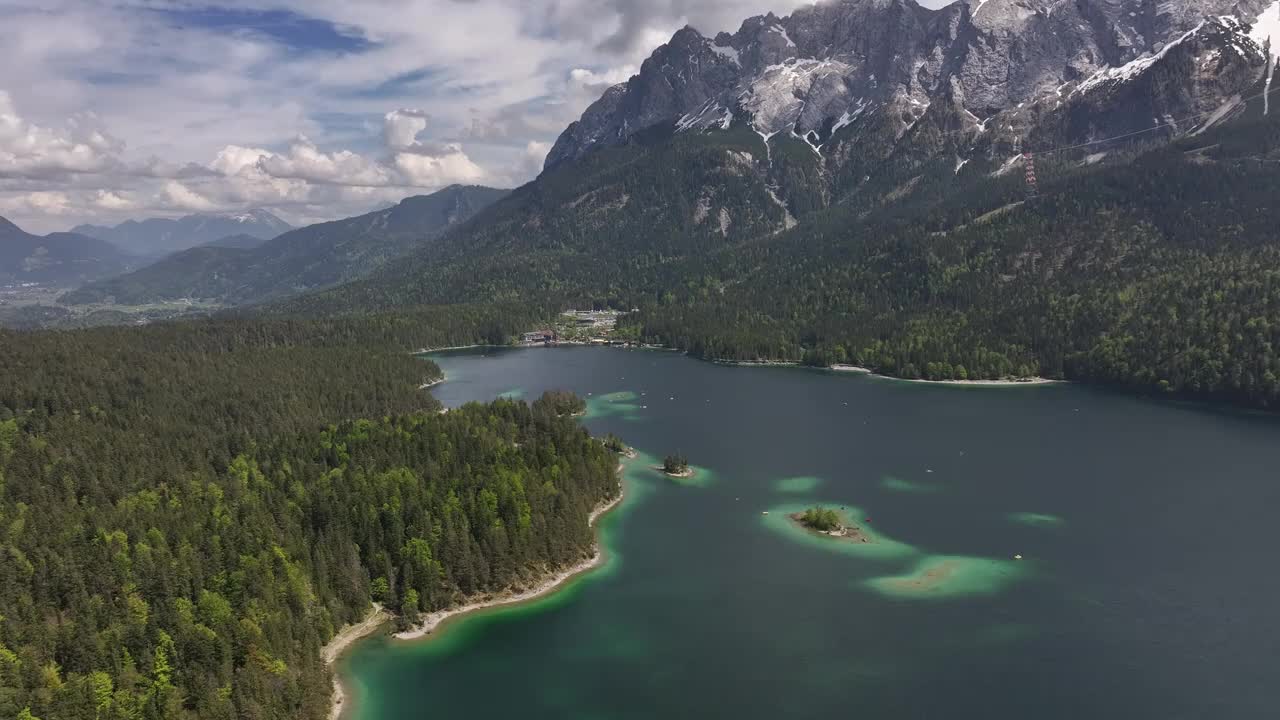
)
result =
(237, 271)
(62, 259)
(157, 237)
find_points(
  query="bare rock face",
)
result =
(1013, 64)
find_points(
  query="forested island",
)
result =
(190, 511)
(830, 522)
(677, 466)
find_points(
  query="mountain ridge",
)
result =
(819, 70)
(156, 237)
(305, 258)
(61, 259)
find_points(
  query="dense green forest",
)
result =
(189, 511)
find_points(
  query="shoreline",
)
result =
(434, 620)
(343, 641)
(428, 351)
(1035, 381)
(753, 363)
(379, 616)
(1015, 382)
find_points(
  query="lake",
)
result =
(1145, 530)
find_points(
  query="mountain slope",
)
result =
(1154, 269)
(157, 237)
(62, 259)
(902, 236)
(312, 257)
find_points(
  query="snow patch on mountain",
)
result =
(727, 52)
(1131, 70)
(781, 93)
(1266, 28)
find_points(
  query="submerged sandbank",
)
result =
(926, 576)
(799, 484)
(897, 484)
(871, 542)
(1035, 519)
(947, 576)
(623, 403)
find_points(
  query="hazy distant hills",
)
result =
(160, 236)
(243, 242)
(235, 271)
(64, 259)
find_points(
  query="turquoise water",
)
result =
(1144, 588)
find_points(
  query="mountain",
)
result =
(906, 236)
(244, 242)
(160, 236)
(841, 72)
(61, 259)
(233, 272)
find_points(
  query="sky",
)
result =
(312, 109)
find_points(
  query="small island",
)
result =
(676, 466)
(830, 522)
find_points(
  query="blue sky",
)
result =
(314, 109)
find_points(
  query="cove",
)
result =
(1144, 527)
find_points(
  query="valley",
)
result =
(573, 360)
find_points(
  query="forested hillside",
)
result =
(1153, 269)
(189, 511)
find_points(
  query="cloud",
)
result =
(535, 156)
(234, 159)
(28, 149)
(108, 200)
(348, 105)
(305, 161)
(401, 128)
(43, 203)
(451, 166)
(182, 197)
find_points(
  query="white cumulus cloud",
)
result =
(28, 149)
(42, 202)
(108, 200)
(184, 198)
(401, 128)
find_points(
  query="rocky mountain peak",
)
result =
(826, 66)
